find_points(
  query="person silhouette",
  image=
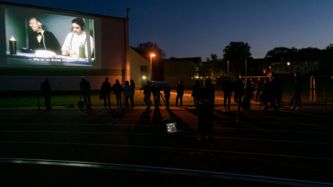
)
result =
(195, 93)
(147, 91)
(127, 93)
(206, 109)
(117, 89)
(296, 101)
(239, 90)
(180, 93)
(106, 92)
(227, 88)
(132, 92)
(85, 90)
(46, 92)
(167, 96)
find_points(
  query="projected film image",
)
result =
(39, 37)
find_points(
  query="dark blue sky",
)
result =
(188, 28)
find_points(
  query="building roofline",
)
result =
(184, 59)
(66, 11)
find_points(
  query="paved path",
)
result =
(289, 144)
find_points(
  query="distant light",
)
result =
(270, 67)
(196, 77)
(152, 55)
(144, 77)
(288, 63)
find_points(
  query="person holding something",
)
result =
(77, 45)
(40, 39)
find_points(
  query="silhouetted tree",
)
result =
(215, 65)
(326, 61)
(145, 49)
(237, 53)
(328, 52)
(282, 54)
(309, 54)
(311, 57)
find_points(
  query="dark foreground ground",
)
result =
(72, 147)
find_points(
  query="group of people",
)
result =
(78, 43)
(150, 89)
(118, 90)
(203, 93)
(267, 91)
(204, 98)
(153, 89)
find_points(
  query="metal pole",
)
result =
(290, 81)
(150, 67)
(310, 95)
(314, 90)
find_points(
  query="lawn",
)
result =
(57, 100)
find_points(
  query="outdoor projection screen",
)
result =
(60, 44)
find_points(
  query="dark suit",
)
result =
(50, 41)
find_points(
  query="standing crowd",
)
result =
(267, 91)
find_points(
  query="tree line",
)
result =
(237, 58)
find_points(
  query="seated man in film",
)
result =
(40, 39)
(76, 44)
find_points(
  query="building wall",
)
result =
(179, 70)
(304, 67)
(111, 39)
(58, 83)
(136, 61)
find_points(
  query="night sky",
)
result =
(191, 28)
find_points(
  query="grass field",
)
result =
(72, 99)
(62, 100)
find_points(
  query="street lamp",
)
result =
(152, 55)
(289, 67)
(288, 63)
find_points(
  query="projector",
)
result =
(45, 54)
